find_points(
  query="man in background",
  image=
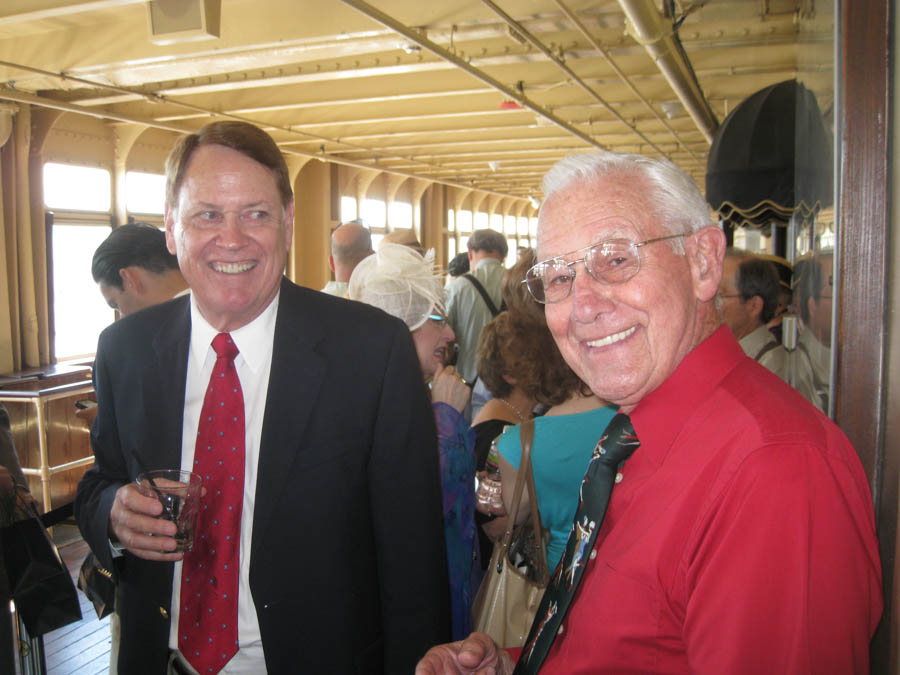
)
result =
(134, 269)
(474, 298)
(350, 244)
(749, 295)
(813, 298)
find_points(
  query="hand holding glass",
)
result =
(179, 494)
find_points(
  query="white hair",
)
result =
(400, 281)
(674, 198)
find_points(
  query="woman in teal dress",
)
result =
(564, 439)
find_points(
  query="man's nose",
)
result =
(589, 297)
(232, 232)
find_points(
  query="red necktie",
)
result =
(207, 625)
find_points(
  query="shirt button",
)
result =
(593, 554)
(619, 477)
(163, 612)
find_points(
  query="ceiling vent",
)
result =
(173, 21)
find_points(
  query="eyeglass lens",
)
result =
(611, 262)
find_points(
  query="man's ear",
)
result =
(131, 280)
(331, 262)
(755, 307)
(169, 220)
(706, 254)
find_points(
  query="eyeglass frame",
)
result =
(583, 259)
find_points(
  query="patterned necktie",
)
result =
(616, 445)
(207, 625)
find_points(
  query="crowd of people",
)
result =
(739, 536)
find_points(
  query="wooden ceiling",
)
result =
(480, 94)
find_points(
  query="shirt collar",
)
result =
(248, 339)
(660, 416)
(488, 262)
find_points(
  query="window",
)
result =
(497, 222)
(76, 188)
(348, 209)
(373, 213)
(464, 223)
(79, 311)
(481, 220)
(145, 192)
(401, 215)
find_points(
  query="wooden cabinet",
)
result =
(53, 444)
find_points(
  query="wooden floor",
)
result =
(80, 648)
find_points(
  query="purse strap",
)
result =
(526, 475)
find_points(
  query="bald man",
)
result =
(350, 244)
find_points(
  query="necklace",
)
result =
(513, 408)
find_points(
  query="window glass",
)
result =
(464, 222)
(376, 240)
(523, 226)
(463, 242)
(511, 252)
(451, 221)
(481, 220)
(497, 222)
(532, 227)
(79, 311)
(348, 209)
(401, 215)
(451, 248)
(509, 224)
(77, 188)
(373, 213)
(145, 192)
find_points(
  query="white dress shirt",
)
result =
(253, 363)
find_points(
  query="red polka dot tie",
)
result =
(207, 625)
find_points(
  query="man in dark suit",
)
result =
(340, 555)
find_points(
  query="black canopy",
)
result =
(770, 157)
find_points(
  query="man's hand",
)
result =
(477, 654)
(133, 522)
(448, 387)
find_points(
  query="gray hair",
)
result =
(674, 197)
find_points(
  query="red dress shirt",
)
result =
(740, 540)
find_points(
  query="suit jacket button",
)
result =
(164, 612)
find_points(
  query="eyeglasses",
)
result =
(611, 262)
(437, 318)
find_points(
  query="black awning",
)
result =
(770, 157)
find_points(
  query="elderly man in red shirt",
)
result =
(739, 537)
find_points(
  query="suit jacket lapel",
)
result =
(171, 345)
(296, 376)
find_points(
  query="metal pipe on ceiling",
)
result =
(655, 35)
(623, 76)
(417, 37)
(559, 63)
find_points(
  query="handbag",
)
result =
(509, 595)
(39, 582)
(96, 582)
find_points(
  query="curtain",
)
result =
(24, 316)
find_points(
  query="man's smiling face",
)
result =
(231, 235)
(625, 339)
